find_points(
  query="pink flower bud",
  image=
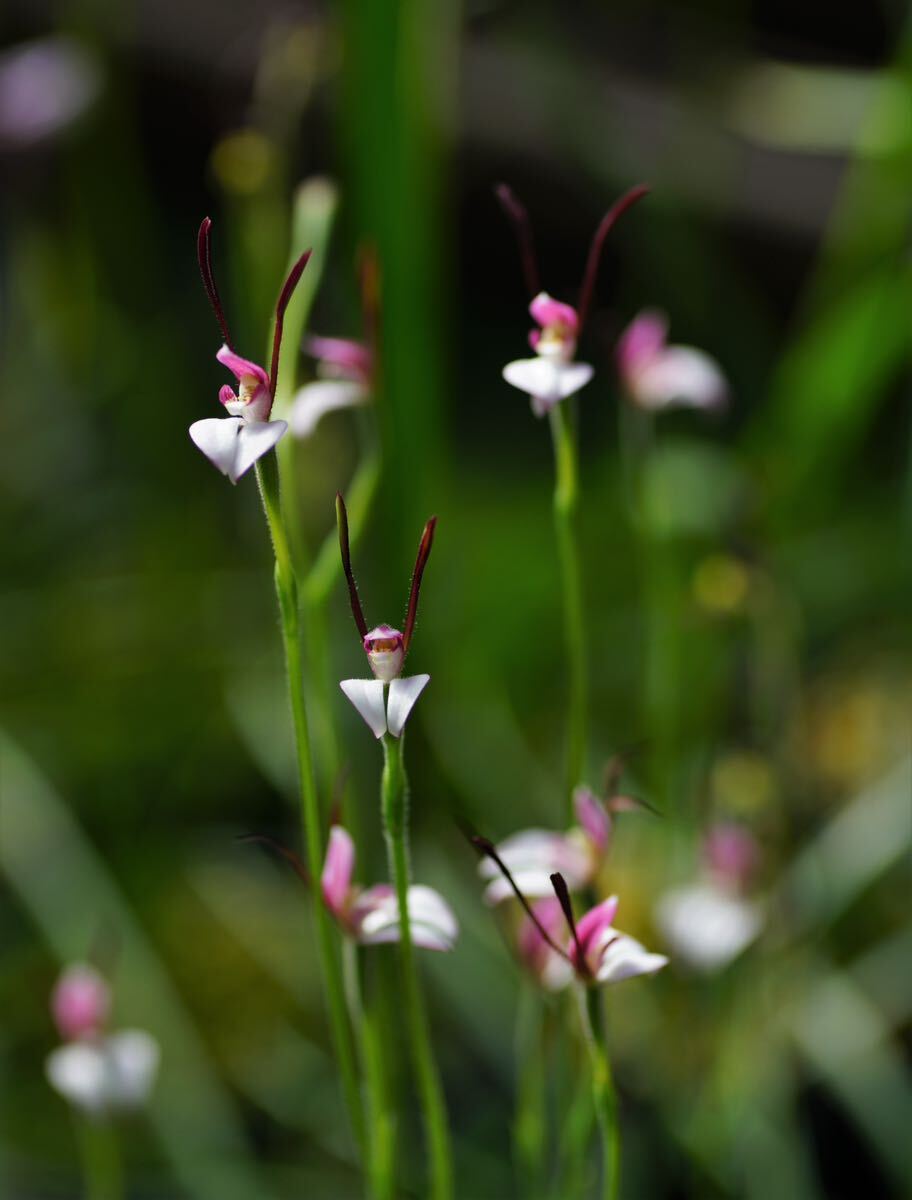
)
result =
(80, 1002)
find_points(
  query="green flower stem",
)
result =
(372, 1051)
(603, 1094)
(530, 1141)
(287, 592)
(394, 803)
(566, 502)
(101, 1165)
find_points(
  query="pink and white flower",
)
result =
(371, 916)
(553, 374)
(602, 954)
(657, 376)
(96, 1071)
(235, 442)
(386, 701)
(710, 922)
(551, 969)
(345, 370)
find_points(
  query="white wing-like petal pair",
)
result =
(105, 1074)
(625, 958)
(706, 926)
(233, 445)
(382, 713)
(431, 921)
(313, 401)
(532, 856)
(547, 380)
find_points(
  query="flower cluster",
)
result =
(96, 1071)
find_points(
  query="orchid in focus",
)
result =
(96, 1071)
(384, 711)
(657, 376)
(553, 374)
(235, 442)
(710, 922)
(371, 915)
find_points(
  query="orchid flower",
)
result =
(657, 376)
(551, 970)
(345, 370)
(95, 1071)
(596, 953)
(371, 916)
(710, 922)
(553, 374)
(235, 442)
(534, 855)
(384, 711)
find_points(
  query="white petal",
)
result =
(133, 1057)
(433, 923)
(402, 696)
(546, 380)
(680, 375)
(625, 958)
(707, 927)
(532, 882)
(532, 856)
(367, 697)
(313, 401)
(556, 973)
(77, 1072)
(255, 439)
(217, 437)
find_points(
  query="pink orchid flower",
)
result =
(96, 1071)
(386, 701)
(346, 372)
(371, 916)
(553, 375)
(657, 376)
(596, 953)
(710, 922)
(551, 970)
(234, 443)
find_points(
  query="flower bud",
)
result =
(80, 1002)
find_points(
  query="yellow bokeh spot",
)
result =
(243, 161)
(721, 584)
(742, 783)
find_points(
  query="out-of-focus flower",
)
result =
(371, 916)
(553, 375)
(346, 370)
(709, 923)
(45, 86)
(657, 376)
(96, 1071)
(552, 970)
(386, 701)
(234, 443)
(80, 1002)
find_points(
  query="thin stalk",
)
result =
(101, 1165)
(380, 1124)
(530, 1142)
(566, 502)
(287, 593)
(603, 1094)
(394, 803)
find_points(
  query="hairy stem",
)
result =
(287, 592)
(566, 501)
(394, 803)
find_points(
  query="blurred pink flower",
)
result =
(80, 1001)
(45, 86)
(346, 370)
(371, 916)
(657, 376)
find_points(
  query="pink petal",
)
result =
(344, 354)
(731, 852)
(547, 311)
(593, 816)
(337, 870)
(641, 341)
(591, 926)
(367, 697)
(402, 696)
(239, 367)
(80, 1001)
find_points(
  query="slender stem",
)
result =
(566, 500)
(394, 802)
(287, 592)
(101, 1165)
(380, 1124)
(603, 1094)
(530, 1123)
